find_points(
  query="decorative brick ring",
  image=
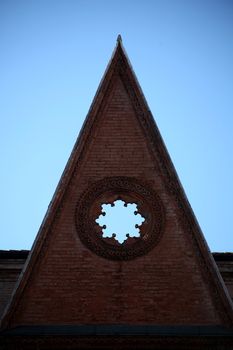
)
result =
(107, 191)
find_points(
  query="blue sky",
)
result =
(53, 55)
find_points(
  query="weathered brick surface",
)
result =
(71, 285)
(8, 279)
(10, 269)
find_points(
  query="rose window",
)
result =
(120, 220)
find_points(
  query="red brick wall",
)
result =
(70, 284)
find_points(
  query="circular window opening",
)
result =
(120, 221)
(119, 218)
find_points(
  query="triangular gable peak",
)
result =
(75, 275)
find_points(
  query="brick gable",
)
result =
(173, 282)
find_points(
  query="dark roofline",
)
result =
(14, 254)
(227, 256)
(118, 330)
(23, 254)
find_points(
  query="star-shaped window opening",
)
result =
(120, 220)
